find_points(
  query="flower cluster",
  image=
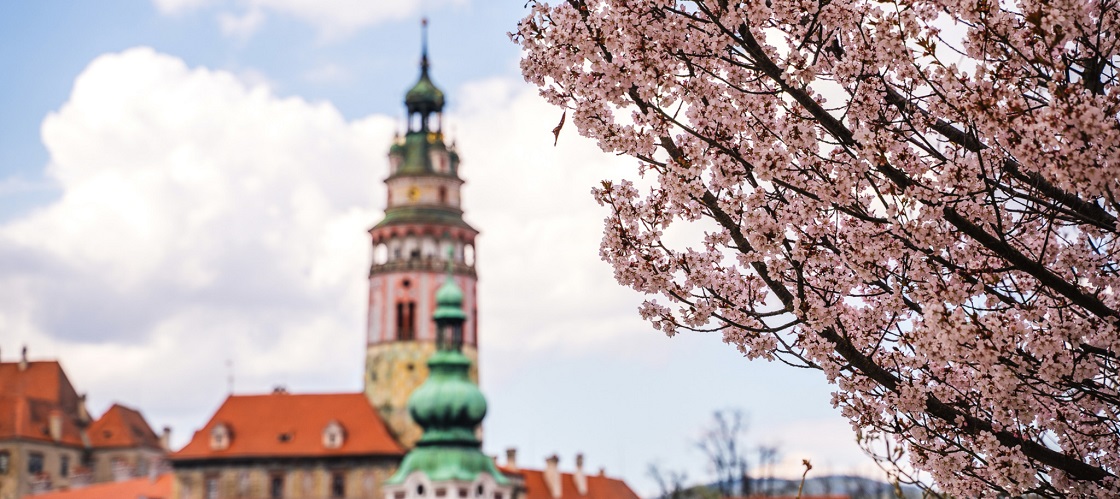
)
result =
(917, 197)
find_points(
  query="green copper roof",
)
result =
(424, 96)
(431, 215)
(448, 405)
(444, 464)
(416, 151)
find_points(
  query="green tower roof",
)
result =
(424, 96)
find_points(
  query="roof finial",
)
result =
(424, 45)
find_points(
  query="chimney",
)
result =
(552, 475)
(83, 412)
(23, 359)
(511, 458)
(54, 425)
(580, 478)
(165, 439)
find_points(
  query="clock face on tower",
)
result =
(413, 193)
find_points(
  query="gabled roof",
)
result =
(28, 398)
(290, 425)
(137, 488)
(42, 380)
(598, 486)
(122, 426)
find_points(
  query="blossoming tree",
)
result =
(917, 197)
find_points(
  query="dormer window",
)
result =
(220, 437)
(333, 435)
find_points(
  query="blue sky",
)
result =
(186, 184)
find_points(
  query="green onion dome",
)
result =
(448, 405)
(424, 97)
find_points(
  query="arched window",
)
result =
(443, 194)
(406, 320)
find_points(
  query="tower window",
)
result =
(406, 321)
(442, 194)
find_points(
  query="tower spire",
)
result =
(424, 46)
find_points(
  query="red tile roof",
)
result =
(29, 396)
(138, 488)
(122, 426)
(291, 425)
(834, 496)
(598, 486)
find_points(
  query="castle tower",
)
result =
(422, 235)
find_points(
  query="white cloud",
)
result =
(204, 219)
(332, 18)
(200, 220)
(243, 25)
(327, 73)
(540, 231)
(177, 6)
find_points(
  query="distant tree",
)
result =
(767, 458)
(670, 483)
(918, 198)
(722, 443)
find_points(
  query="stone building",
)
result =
(48, 441)
(283, 445)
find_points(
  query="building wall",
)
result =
(113, 465)
(17, 482)
(418, 286)
(393, 371)
(307, 480)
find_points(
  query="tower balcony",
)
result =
(424, 264)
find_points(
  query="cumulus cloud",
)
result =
(539, 223)
(332, 18)
(201, 219)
